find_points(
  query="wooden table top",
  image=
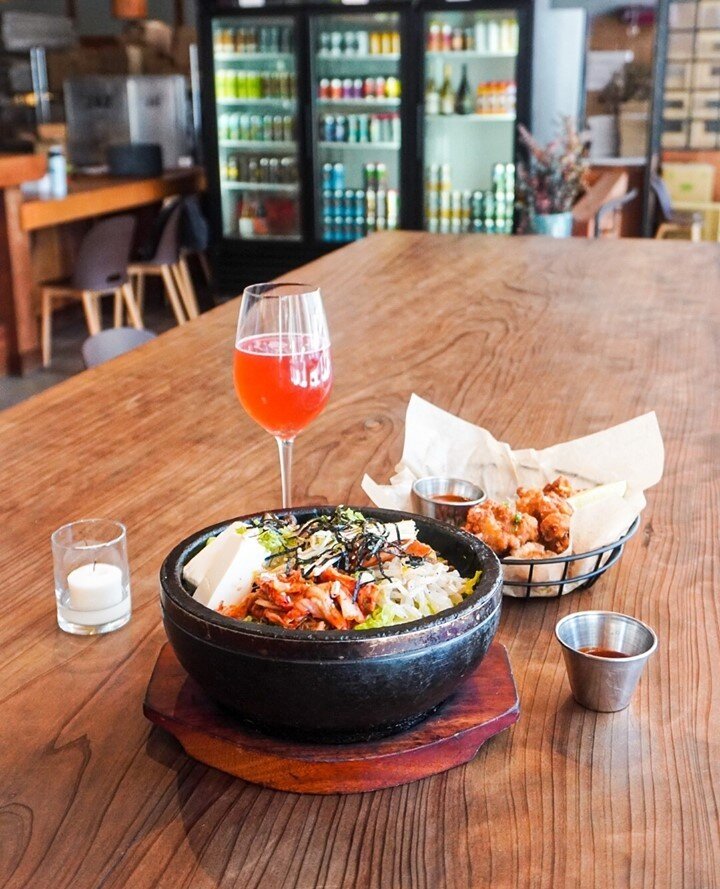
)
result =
(96, 195)
(540, 341)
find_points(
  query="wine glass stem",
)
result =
(285, 449)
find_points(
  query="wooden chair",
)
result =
(169, 264)
(588, 220)
(100, 270)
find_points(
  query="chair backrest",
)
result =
(168, 248)
(112, 342)
(194, 229)
(662, 196)
(613, 206)
(102, 260)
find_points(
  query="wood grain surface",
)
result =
(485, 704)
(540, 341)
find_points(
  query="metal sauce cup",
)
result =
(604, 683)
(425, 489)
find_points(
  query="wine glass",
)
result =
(282, 366)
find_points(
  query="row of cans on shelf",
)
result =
(268, 39)
(374, 176)
(358, 88)
(439, 179)
(359, 43)
(256, 127)
(236, 83)
(368, 203)
(276, 170)
(360, 128)
(465, 211)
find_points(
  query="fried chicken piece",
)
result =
(552, 512)
(561, 486)
(554, 531)
(500, 526)
(530, 550)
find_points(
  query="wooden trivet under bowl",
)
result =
(484, 705)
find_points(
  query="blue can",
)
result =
(329, 128)
(328, 176)
(328, 234)
(340, 129)
(338, 180)
(327, 197)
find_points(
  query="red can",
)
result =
(369, 87)
(324, 91)
(380, 88)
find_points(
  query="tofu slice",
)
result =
(405, 530)
(195, 569)
(229, 577)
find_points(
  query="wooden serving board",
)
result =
(485, 704)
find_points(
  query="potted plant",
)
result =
(551, 180)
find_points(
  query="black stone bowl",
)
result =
(335, 686)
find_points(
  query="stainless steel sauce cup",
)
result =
(604, 683)
(424, 489)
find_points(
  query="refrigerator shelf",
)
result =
(366, 57)
(283, 187)
(254, 56)
(287, 104)
(271, 238)
(470, 54)
(250, 145)
(474, 118)
(361, 103)
(366, 146)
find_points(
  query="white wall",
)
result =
(558, 63)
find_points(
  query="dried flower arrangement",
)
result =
(555, 175)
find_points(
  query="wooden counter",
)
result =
(87, 197)
(540, 340)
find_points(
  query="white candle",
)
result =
(95, 586)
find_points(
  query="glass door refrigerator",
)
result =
(475, 93)
(356, 122)
(257, 122)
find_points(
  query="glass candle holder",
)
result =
(92, 578)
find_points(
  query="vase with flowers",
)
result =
(551, 180)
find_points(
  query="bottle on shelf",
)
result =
(447, 96)
(432, 97)
(464, 100)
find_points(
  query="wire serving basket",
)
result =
(601, 559)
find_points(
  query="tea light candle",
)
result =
(95, 586)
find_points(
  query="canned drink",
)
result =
(370, 176)
(327, 201)
(274, 170)
(370, 203)
(375, 43)
(386, 43)
(379, 87)
(386, 128)
(336, 88)
(328, 176)
(277, 128)
(359, 227)
(352, 128)
(445, 180)
(349, 43)
(340, 129)
(338, 176)
(359, 202)
(363, 43)
(347, 88)
(348, 229)
(434, 178)
(369, 88)
(224, 127)
(288, 134)
(329, 128)
(392, 88)
(256, 128)
(381, 175)
(324, 45)
(357, 89)
(498, 176)
(324, 91)
(395, 129)
(375, 129)
(336, 43)
(338, 203)
(349, 203)
(363, 128)
(381, 211)
(433, 225)
(267, 128)
(396, 42)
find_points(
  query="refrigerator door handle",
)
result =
(309, 142)
(420, 130)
